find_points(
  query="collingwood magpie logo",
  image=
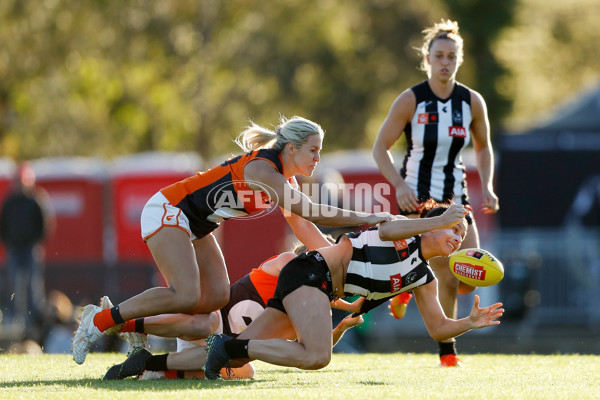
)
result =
(410, 277)
(457, 117)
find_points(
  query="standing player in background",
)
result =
(439, 117)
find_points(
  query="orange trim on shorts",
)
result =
(162, 225)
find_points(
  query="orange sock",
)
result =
(128, 326)
(171, 374)
(104, 320)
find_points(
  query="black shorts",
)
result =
(309, 269)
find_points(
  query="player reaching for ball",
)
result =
(378, 264)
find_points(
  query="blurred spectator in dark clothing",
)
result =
(585, 209)
(25, 221)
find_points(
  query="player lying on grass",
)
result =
(248, 298)
(377, 264)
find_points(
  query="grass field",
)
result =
(349, 376)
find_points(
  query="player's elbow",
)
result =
(385, 231)
(437, 337)
(437, 333)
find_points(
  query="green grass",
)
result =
(367, 376)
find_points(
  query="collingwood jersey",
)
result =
(437, 133)
(380, 270)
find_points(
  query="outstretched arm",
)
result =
(403, 228)
(294, 201)
(440, 327)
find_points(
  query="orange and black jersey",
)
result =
(247, 300)
(220, 193)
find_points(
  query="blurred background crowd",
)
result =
(103, 103)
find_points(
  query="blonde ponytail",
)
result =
(295, 130)
(255, 137)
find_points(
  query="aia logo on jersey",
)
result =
(396, 281)
(428, 118)
(457, 131)
(475, 254)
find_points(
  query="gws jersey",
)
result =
(220, 193)
(436, 135)
(247, 300)
(380, 270)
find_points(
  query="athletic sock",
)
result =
(157, 363)
(447, 348)
(108, 318)
(174, 374)
(133, 325)
(237, 348)
(128, 326)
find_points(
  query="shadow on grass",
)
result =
(130, 384)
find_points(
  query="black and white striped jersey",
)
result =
(436, 135)
(380, 270)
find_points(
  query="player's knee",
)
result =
(463, 288)
(317, 361)
(185, 303)
(213, 301)
(213, 322)
(220, 299)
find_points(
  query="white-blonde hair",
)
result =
(295, 130)
(445, 29)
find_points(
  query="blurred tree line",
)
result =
(109, 78)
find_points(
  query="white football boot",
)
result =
(134, 340)
(86, 334)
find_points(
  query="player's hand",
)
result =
(350, 322)
(453, 215)
(375, 219)
(489, 201)
(406, 198)
(486, 316)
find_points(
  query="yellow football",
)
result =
(476, 267)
